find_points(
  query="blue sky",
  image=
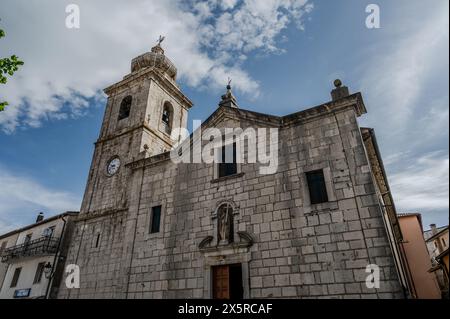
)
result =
(283, 56)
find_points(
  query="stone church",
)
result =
(153, 228)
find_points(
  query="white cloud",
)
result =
(207, 40)
(6, 227)
(402, 81)
(253, 25)
(422, 185)
(24, 195)
(398, 70)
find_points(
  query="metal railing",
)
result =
(39, 247)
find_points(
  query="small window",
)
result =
(38, 274)
(317, 187)
(156, 220)
(3, 247)
(443, 242)
(167, 117)
(48, 232)
(228, 164)
(27, 239)
(125, 108)
(97, 240)
(15, 278)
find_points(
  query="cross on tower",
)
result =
(161, 39)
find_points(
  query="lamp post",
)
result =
(48, 270)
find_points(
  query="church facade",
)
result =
(153, 228)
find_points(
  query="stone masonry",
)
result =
(292, 249)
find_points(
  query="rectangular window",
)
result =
(38, 274)
(15, 278)
(156, 220)
(27, 239)
(3, 247)
(97, 240)
(228, 165)
(48, 232)
(317, 187)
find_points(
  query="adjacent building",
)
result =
(151, 227)
(437, 243)
(424, 283)
(32, 258)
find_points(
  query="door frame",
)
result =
(217, 259)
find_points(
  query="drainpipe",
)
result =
(50, 280)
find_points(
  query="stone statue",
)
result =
(224, 224)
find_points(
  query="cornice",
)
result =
(352, 101)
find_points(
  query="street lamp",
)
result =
(48, 269)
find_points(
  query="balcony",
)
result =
(39, 247)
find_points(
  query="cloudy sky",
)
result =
(282, 55)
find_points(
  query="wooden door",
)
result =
(221, 282)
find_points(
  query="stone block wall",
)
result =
(300, 250)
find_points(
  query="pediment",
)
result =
(245, 241)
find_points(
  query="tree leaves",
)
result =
(2, 105)
(8, 66)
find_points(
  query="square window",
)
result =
(317, 187)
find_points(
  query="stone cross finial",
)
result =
(228, 99)
(161, 39)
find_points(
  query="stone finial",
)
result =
(157, 48)
(340, 91)
(228, 98)
(337, 83)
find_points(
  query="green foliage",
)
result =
(7, 68)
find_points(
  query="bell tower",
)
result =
(141, 112)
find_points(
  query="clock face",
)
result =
(113, 166)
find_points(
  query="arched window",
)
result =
(167, 117)
(225, 227)
(125, 107)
